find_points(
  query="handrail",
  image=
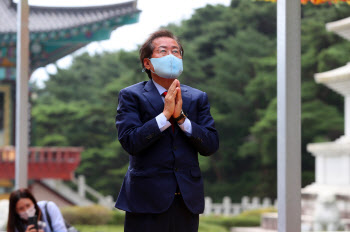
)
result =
(44, 154)
(43, 162)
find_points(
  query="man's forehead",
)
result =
(164, 42)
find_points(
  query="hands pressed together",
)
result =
(173, 101)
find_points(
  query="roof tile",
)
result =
(43, 19)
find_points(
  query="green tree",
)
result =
(230, 53)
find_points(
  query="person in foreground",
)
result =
(163, 125)
(25, 213)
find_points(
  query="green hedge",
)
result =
(250, 218)
(203, 227)
(87, 215)
(98, 215)
(118, 217)
(207, 227)
(99, 228)
(228, 222)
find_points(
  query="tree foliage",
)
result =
(230, 53)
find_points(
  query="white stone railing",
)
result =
(78, 197)
(228, 208)
(83, 188)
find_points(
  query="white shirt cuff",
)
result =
(162, 122)
(186, 126)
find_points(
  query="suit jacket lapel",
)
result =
(152, 95)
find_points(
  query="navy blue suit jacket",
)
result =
(159, 161)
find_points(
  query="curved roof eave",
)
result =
(45, 19)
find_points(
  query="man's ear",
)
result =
(147, 63)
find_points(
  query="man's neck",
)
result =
(164, 82)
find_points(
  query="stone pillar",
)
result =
(245, 203)
(208, 206)
(226, 204)
(81, 186)
(22, 74)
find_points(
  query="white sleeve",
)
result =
(57, 220)
(186, 126)
(162, 122)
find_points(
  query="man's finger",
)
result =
(172, 86)
(178, 96)
(172, 90)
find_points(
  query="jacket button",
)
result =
(174, 148)
(175, 169)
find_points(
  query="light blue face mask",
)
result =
(169, 66)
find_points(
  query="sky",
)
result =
(155, 13)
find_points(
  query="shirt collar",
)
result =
(160, 88)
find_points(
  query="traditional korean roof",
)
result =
(44, 19)
(58, 31)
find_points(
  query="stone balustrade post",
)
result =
(255, 203)
(208, 206)
(226, 204)
(245, 203)
(266, 202)
(81, 186)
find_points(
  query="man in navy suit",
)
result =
(163, 126)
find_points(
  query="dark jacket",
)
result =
(159, 161)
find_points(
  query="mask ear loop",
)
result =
(153, 72)
(144, 70)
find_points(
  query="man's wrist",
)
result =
(181, 117)
(168, 116)
(180, 122)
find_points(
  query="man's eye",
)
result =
(175, 51)
(162, 51)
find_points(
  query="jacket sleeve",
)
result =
(133, 134)
(204, 136)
